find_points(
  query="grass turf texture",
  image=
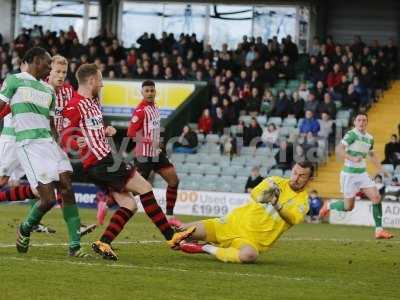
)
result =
(309, 262)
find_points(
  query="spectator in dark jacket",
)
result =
(228, 113)
(351, 99)
(252, 134)
(187, 142)
(254, 179)
(392, 151)
(296, 106)
(218, 122)
(309, 124)
(282, 105)
(311, 104)
(328, 106)
(254, 102)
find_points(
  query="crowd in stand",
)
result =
(242, 80)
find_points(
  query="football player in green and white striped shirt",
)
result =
(32, 103)
(354, 148)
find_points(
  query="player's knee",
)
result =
(145, 188)
(174, 182)
(248, 255)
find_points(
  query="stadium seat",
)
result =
(275, 172)
(263, 151)
(193, 158)
(195, 168)
(194, 176)
(276, 120)
(287, 173)
(200, 138)
(178, 158)
(388, 168)
(286, 131)
(246, 119)
(212, 138)
(193, 126)
(248, 150)
(262, 120)
(233, 170)
(238, 161)
(214, 158)
(212, 170)
(224, 162)
(289, 122)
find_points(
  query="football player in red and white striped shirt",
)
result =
(144, 128)
(64, 92)
(84, 131)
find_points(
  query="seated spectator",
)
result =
(326, 126)
(284, 158)
(214, 105)
(254, 103)
(296, 106)
(252, 133)
(187, 142)
(327, 106)
(204, 124)
(311, 104)
(320, 91)
(351, 99)
(334, 77)
(228, 146)
(309, 124)
(309, 143)
(254, 179)
(267, 103)
(218, 122)
(361, 91)
(315, 203)
(286, 69)
(282, 105)
(270, 135)
(392, 152)
(269, 75)
(303, 91)
(228, 113)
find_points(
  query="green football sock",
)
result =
(338, 205)
(71, 217)
(32, 204)
(377, 213)
(34, 217)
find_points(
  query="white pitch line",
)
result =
(285, 239)
(166, 269)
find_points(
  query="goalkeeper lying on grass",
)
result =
(275, 205)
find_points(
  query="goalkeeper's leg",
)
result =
(238, 251)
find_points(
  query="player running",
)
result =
(32, 103)
(84, 132)
(354, 148)
(144, 128)
(64, 93)
(275, 205)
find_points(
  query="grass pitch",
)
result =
(309, 262)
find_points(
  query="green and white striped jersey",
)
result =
(32, 102)
(359, 145)
(8, 132)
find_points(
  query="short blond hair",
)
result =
(58, 59)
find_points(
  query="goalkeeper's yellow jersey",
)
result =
(260, 222)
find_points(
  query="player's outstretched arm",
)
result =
(292, 214)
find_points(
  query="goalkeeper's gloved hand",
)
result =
(270, 195)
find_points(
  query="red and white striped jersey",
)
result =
(82, 117)
(64, 95)
(145, 128)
